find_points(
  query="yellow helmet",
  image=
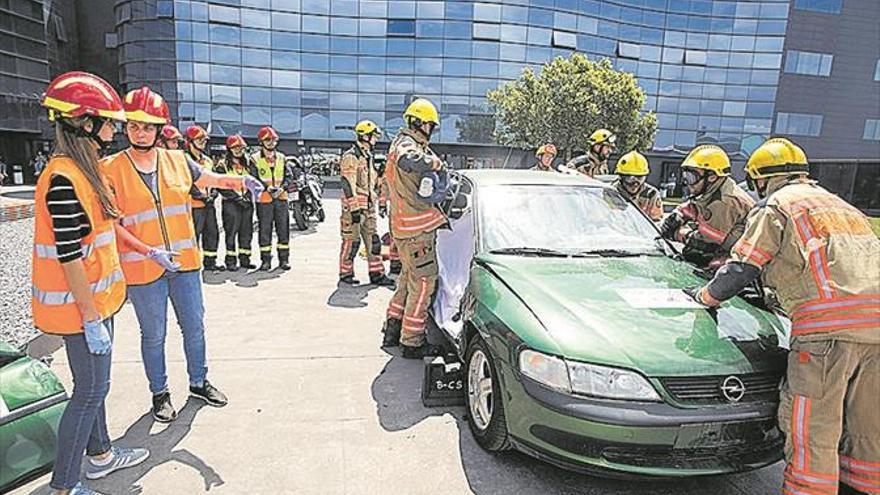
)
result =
(546, 148)
(421, 110)
(632, 163)
(366, 127)
(777, 156)
(708, 157)
(601, 136)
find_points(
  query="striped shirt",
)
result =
(69, 220)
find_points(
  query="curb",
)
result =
(16, 211)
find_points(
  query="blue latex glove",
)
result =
(164, 259)
(97, 337)
(253, 185)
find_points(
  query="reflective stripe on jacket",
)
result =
(54, 307)
(356, 168)
(272, 175)
(162, 222)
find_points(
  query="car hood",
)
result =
(609, 311)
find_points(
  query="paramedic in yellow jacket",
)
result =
(417, 180)
(820, 256)
(359, 199)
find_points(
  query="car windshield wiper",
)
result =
(531, 251)
(616, 253)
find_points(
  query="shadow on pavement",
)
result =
(397, 394)
(295, 232)
(351, 296)
(241, 278)
(162, 446)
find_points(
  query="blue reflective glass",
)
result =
(455, 67)
(344, 7)
(316, 6)
(285, 41)
(430, 29)
(226, 74)
(428, 48)
(462, 11)
(400, 66)
(371, 46)
(315, 43)
(425, 85)
(256, 37)
(825, 6)
(371, 65)
(458, 29)
(540, 17)
(401, 28)
(229, 35)
(401, 47)
(511, 13)
(485, 49)
(429, 66)
(339, 44)
(344, 25)
(256, 96)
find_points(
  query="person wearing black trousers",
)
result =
(238, 207)
(203, 213)
(269, 168)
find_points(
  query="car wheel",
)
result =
(485, 407)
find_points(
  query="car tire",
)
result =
(486, 418)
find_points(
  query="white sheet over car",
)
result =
(455, 251)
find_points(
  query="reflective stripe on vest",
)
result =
(49, 251)
(176, 246)
(58, 298)
(153, 214)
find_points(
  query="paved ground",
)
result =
(317, 407)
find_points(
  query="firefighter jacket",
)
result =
(589, 165)
(359, 180)
(820, 256)
(647, 199)
(202, 196)
(235, 167)
(272, 173)
(715, 220)
(540, 167)
(408, 157)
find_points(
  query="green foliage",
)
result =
(571, 98)
(475, 128)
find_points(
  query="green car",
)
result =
(579, 345)
(31, 403)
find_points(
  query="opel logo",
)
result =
(733, 389)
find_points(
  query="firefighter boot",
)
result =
(266, 264)
(391, 331)
(231, 263)
(421, 351)
(381, 280)
(245, 262)
(349, 279)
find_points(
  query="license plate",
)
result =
(719, 434)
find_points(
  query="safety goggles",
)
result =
(691, 177)
(632, 180)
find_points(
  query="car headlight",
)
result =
(610, 383)
(585, 379)
(544, 369)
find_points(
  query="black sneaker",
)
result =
(246, 264)
(421, 351)
(163, 411)
(284, 266)
(265, 266)
(391, 331)
(382, 281)
(209, 394)
(349, 279)
(232, 268)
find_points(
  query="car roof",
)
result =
(499, 176)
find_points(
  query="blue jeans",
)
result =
(151, 307)
(83, 425)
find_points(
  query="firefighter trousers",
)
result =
(415, 286)
(828, 411)
(238, 227)
(207, 232)
(269, 215)
(352, 236)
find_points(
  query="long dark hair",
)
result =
(71, 142)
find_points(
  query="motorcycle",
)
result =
(305, 195)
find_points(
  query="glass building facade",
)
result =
(311, 68)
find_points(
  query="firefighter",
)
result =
(238, 206)
(417, 180)
(600, 145)
(545, 155)
(157, 246)
(269, 167)
(632, 170)
(169, 138)
(713, 218)
(359, 199)
(203, 212)
(394, 266)
(820, 256)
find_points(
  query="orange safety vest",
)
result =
(54, 307)
(163, 221)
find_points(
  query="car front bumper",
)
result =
(638, 439)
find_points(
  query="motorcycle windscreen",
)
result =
(455, 251)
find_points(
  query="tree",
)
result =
(570, 99)
(475, 128)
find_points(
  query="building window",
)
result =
(825, 6)
(60, 30)
(808, 63)
(872, 130)
(564, 40)
(164, 8)
(111, 40)
(402, 28)
(877, 71)
(798, 124)
(628, 50)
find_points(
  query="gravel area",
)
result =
(16, 241)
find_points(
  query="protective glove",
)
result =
(670, 225)
(164, 259)
(383, 210)
(275, 192)
(356, 217)
(253, 185)
(97, 337)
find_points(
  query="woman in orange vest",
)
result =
(78, 283)
(158, 250)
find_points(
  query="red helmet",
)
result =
(234, 141)
(145, 105)
(196, 132)
(170, 133)
(266, 133)
(75, 94)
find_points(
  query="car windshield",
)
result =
(562, 220)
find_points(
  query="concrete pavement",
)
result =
(316, 406)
